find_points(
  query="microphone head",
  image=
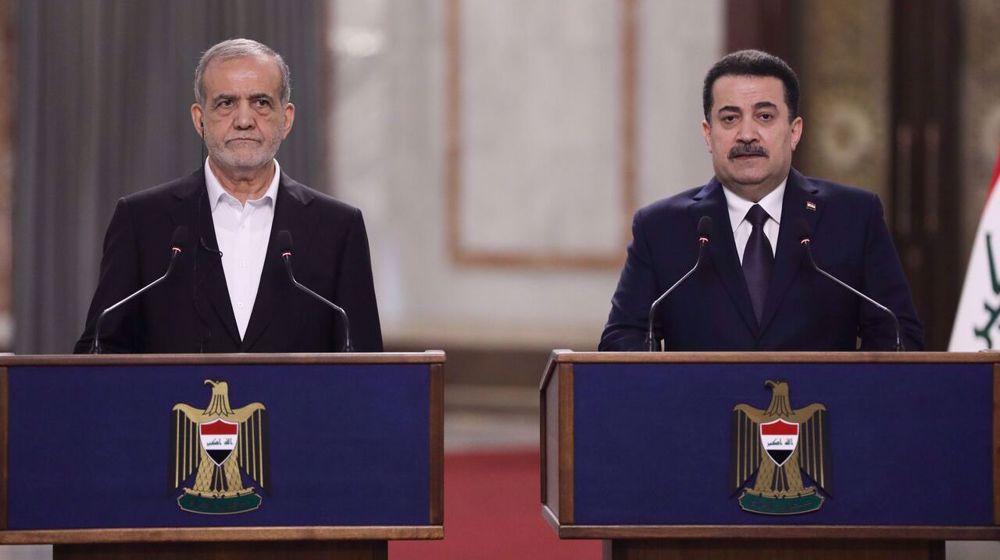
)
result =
(179, 240)
(804, 231)
(284, 242)
(704, 229)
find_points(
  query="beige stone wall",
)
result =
(392, 154)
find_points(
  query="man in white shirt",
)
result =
(756, 289)
(229, 291)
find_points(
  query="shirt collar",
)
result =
(216, 192)
(738, 207)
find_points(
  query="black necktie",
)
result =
(758, 260)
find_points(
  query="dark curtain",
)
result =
(102, 110)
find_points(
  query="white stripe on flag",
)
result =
(977, 322)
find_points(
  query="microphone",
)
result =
(704, 235)
(285, 250)
(214, 250)
(178, 242)
(805, 239)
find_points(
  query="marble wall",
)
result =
(499, 149)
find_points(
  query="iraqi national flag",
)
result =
(218, 437)
(976, 323)
(779, 439)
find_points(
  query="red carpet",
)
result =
(492, 511)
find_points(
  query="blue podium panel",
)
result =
(909, 444)
(91, 445)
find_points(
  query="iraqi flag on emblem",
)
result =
(218, 437)
(779, 439)
(976, 322)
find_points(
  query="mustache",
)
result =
(747, 149)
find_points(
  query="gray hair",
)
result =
(239, 48)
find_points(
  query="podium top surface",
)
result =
(426, 357)
(563, 356)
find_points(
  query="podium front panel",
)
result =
(910, 443)
(348, 444)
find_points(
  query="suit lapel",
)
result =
(210, 280)
(711, 201)
(275, 287)
(788, 255)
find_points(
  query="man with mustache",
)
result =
(229, 291)
(755, 289)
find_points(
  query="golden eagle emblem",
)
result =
(779, 444)
(219, 442)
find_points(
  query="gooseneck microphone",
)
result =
(805, 239)
(704, 235)
(285, 249)
(178, 242)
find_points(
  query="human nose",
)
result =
(244, 118)
(747, 132)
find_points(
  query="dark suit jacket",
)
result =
(803, 310)
(192, 312)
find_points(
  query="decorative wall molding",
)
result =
(463, 247)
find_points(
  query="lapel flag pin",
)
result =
(810, 205)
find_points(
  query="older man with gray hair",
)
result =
(228, 290)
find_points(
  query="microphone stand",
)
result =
(899, 342)
(651, 341)
(287, 257)
(96, 346)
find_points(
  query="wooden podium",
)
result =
(312, 455)
(664, 455)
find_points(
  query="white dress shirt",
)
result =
(243, 232)
(738, 208)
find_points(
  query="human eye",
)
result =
(727, 119)
(766, 116)
(262, 103)
(224, 103)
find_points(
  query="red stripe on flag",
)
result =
(218, 428)
(779, 429)
(996, 174)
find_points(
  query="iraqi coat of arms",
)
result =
(778, 445)
(221, 444)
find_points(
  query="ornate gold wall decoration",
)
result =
(980, 110)
(844, 71)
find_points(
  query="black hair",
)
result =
(753, 63)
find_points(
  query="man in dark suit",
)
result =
(229, 291)
(755, 289)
